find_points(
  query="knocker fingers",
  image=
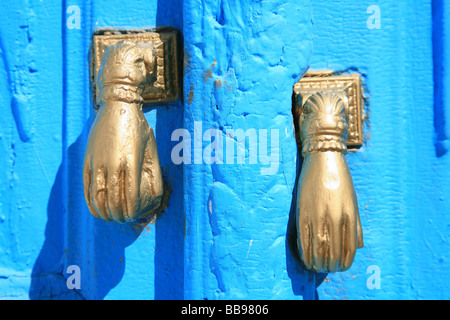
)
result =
(305, 240)
(87, 185)
(99, 192)
(360, 232)
(348, 238)
(336, 237)
(115, 204)
(151, 169)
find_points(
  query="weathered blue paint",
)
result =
(227, 232)
(30, 136)
(242, 60)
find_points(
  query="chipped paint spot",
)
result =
(208, 73)
(191, 94)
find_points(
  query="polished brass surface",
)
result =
(351, 84)
(328, 224)
(121, 174)
(165, 86)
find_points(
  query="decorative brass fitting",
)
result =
(328, 224)
(164, 86)
(121, 173)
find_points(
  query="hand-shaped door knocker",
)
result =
(328, 225)
(121, 174)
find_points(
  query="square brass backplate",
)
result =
(319, 81)
(166, 86)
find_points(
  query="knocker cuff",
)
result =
(323, 143)
(118, 92)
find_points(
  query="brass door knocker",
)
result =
(327, 217)
(121, 174)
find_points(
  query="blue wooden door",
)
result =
(227, 231)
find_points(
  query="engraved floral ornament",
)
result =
(328, 225)
(121, 173)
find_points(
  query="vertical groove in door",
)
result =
(66, 227)
(441, 117)
(76, 111)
